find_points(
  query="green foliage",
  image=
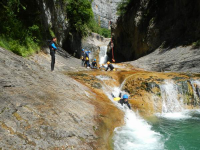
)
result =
(94, 27)
(81, 18)
(80, 14)
(51, 32)
(20, 33)
(196, 44)
(24, 49)
(122, 7)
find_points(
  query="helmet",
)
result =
(108, 62)
(125, 96)
(83, 50)
(95, 60)
(89, 52)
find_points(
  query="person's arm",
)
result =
(53, 45)
(128, 105)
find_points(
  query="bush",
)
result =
(20, 33)
(123, 7)
(81, 18)
(196, 44)
(94, 27)
(80, 14)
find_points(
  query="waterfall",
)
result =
(103, 55)
(172, 101)
(136, 134)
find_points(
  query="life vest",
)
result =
(87, 58)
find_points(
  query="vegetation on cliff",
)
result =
(81, 18)
(21, 30)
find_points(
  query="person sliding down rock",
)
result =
(53, 49)
(110, 66)
(94, 64)
(124, 100)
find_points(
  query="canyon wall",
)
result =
(105, 11)
(149, 24)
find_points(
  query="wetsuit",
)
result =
(122, 101)
(53, 49)
(110, 66)
(83, 58)
(94, 65)
(87, 62)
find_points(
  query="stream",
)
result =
(173, 129)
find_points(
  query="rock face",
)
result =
(152, 92)
(149, 24)
(179, 59)
(105, 11)
(49, 110)
(93, 43)
(54, 18)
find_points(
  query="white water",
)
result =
(136, 134)
(103, 55)
(172, 102)
(172, 106)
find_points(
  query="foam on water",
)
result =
(175, 115)
(101, 77)
(103, 55)
(136, 134)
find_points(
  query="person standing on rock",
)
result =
(83, 57)
(87, 59)
(124, 100)
(53, 49)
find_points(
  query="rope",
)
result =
(112, 45)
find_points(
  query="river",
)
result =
(175, 128)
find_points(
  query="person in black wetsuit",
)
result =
(124, 100)
(83, 57)
(53, 49)
(110, 66)
(94, 64)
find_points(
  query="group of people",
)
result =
(86, 63)
(84, 57)
(93, 65)
(86, 60)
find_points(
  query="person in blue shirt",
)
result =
(53, 49)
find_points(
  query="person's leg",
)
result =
(52, 60)
(83, 62)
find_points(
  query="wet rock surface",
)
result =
(46, 110)
(145, 90)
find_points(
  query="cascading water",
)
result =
(175, 128)
(171, 101)
(103, 55)
(136, 134)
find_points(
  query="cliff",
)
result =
(150, 24)
(105, 11)
(50, 110)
